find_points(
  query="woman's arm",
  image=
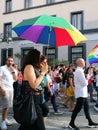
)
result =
(30, 76)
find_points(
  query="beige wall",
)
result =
(63, 10)
(20, 5)
(17, 5)
(38, 2)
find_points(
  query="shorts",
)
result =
(7, 100)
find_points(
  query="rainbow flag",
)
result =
(93, 55)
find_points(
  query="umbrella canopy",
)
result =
(93, 55)
(53, 31)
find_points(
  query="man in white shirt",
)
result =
(81, 95)
(8, 75)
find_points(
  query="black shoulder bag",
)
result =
(24, 107)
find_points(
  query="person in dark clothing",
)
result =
(33, 71)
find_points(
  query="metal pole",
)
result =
(7, 48)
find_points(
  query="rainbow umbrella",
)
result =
(93, 55)
(49, 30)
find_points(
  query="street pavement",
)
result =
(60, 122)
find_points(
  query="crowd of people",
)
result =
(73, 83)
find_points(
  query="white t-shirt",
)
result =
(6, 77)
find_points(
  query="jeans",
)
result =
(53, 102)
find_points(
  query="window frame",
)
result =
(76, 14)
(50, 1)
(8, 7)
(27, 4)
(45, 48)
(83, 52)
(7, 30)
(23, 49)
(4, 57)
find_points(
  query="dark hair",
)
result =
(61, 65)
(32, 58)
(56, 66)
(9, 58)
(42, 58)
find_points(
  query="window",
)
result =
(28, 3)
(24, 52)
(4, 54)
(76, 52)
(51, 54)
(7, 31)
(50, 1)
(77, 20)
(8, 5)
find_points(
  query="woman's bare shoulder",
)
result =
(29, 68)
(29, 72)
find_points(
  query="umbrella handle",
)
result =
(50, 29)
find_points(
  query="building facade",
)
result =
(78, 12)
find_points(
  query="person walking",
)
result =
(51, 89)
(33, 71)
(90, 83)
(8, 75)
(81, 95)
(96, 77)
(45, 108)
(70, 87)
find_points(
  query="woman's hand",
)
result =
(44, 67)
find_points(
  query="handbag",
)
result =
(23, 106)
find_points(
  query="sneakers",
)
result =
(96, 108)
(73, 127)
(3, 125)
(92, 125)
(58, 112)
(8, 122)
